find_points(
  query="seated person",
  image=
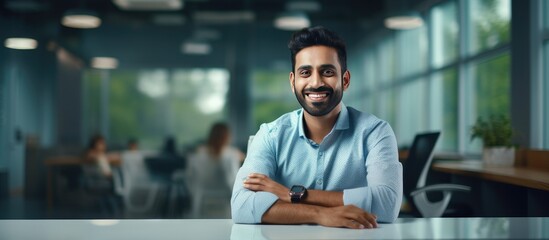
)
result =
(326, 163)
(98, 160)
(218, 150)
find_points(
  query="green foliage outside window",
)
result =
(489, 24)
(138, 111)
(272, 96)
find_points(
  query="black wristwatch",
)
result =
(298, 193)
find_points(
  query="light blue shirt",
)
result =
(359, 157)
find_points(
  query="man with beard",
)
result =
(326, 163)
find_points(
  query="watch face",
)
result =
(297, 189)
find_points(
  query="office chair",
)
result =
(209, 191)
(415, 172)
(132, 180)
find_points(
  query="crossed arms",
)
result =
(364, 188)
(321, 207)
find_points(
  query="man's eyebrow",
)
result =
(309, 67)
(305, 67)
(323, 66)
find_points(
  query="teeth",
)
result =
(316, 95)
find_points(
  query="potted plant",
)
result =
(495, 133)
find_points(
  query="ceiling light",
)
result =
(80, 18)
(292, 21)
(149, 5)
(196, 48)
(104, 63)
(406, 21)
(20, 43)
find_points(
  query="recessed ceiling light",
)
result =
(406, 21)
(80, 18)
(196, 48)
(292, 21)
(149, 5)
(104, 63)
(21, 43)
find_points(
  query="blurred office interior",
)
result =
(152, 69)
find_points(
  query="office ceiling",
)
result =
(154, 37)
(263, 10)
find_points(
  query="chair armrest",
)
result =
(441, 187)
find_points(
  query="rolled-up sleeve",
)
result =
(249, 206)
(383, 194)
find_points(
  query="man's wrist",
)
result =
(283, 195)
(297, 194)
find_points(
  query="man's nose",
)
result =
(316, 81)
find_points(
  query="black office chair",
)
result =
(415, 171)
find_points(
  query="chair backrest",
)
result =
(134, 166)
(420, 157)
(206, 172)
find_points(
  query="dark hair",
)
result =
(314, 36)
(132, 141)
(218, 138)
(94, 140)
(170, 145)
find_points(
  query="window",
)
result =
(412, 117)
(272, 96)
(387, 107)
(444, 108)
(488, 24)
(387, 62)
(412, 60)
(152, 104)
(445, 32)
(441, 83)
(489, 91)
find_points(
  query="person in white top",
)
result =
(212, 172)
(218, 150)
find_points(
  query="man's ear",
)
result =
(292, 81)
(346, 80)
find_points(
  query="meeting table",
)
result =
(402, 228)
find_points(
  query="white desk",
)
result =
(433, 228)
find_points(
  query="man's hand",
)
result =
(348, 216)
(260, 182)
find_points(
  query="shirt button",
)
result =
(320, 154)
(319, 182)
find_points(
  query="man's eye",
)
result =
(304, 73)
(328, 73)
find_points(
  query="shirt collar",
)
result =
(342, 121)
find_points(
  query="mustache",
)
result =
(320, 89)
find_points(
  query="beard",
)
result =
(318, 109)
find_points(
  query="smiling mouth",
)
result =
(317, 96)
